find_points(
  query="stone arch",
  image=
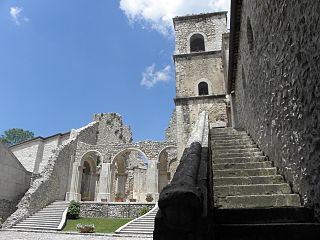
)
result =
(121, 176)
(164, 172)
(201, 38)
(88, 176)
(196, 87)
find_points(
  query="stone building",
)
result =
(200, 84)
(273, 81)
(93, 163)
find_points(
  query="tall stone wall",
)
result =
(196, 68)
(277, 91)
(188, 110)
(171, 131)
(211, 25)
(14, 181)
(52, 183)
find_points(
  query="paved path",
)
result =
(31, 235)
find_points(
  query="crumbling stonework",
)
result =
(171, 131)
(277, 88)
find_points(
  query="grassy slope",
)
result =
(102, 225)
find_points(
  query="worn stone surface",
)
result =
(51, 185)
(277, 88)
(112, 210)
(212, 26)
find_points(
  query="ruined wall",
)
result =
(52, 182)
(171, 131)
(111, 129)
(14, 181)
(277, 91)
(211, 25)
(198, 67)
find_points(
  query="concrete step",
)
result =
(254, 189)
(250, 165)
(271, 231)
(236, 155)
(239, 159)
(244, 172)
(274, 179)
(230, 134)
(258, 201)
(264, 215)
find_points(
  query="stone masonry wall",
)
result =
(196, 68)
(112, 210)
(277, 91)
(52, 183)
(212, 26)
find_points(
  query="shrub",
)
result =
(73, 210)
(143, 210)
(149, 197)
(118, 195)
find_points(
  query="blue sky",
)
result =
(61, 61)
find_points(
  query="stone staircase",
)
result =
(140, 225)
(49, 218)
(243, 177)
(251, 200)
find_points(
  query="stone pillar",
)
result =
(104, 191)
(152, 179)
(121, 183)
(74, 193)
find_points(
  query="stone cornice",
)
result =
(184, 99)
(195, 54)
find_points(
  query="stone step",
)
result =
(231, 138)
(250, 165)
(244, 172)
(274, 179)
(36, 228)
(258, 201)
(271, 231)
(264, 215)
(231, 143)
(254, 189)
(236, 150)
(239, 159)
(232, 155)
(230, 134)
(238, 146)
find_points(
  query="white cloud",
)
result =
(150, 78)
(15, 12)
(158, 14)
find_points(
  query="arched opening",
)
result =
(128, 174)
(88, 176)
(197, 43)
(167, 166)
(203, 88)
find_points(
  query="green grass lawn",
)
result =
(102, 225)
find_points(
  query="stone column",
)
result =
(152, 179)
(74, 193)
(104, 191)
(121, 183)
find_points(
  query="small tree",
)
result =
(73, 210)
(15, 135)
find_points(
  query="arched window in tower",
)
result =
(197, 43)
(203, 88)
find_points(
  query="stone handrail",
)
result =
(185, 205)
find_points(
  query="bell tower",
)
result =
(200, 84)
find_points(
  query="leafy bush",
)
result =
(73, 210)
(143, 210)
(149, 197)
(118, 195)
